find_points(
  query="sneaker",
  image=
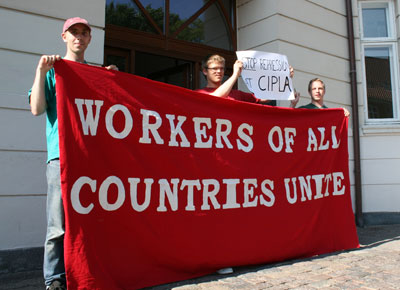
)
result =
(225, 271)
(56, 285)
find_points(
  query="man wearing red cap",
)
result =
(77, 35)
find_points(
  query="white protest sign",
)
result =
(267, 75)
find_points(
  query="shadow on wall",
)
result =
(372, 236)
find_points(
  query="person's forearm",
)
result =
(224, 89)
(37, 97)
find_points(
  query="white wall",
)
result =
(30, 29)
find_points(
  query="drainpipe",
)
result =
(354, 105)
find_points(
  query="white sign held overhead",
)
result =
(267, 75)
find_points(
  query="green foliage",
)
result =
(127, 16)
(130, 16)
(194, 32)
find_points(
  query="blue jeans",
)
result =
(53, 264)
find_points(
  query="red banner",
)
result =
(162, 183)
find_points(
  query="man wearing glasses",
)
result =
(213, 69)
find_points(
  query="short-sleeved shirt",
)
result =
(312, 106)
(53, 151)
(234, 95)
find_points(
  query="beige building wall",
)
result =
(313, 35)
(29, 29)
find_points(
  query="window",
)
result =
(380, 58)
(166, 40)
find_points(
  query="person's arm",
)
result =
(264, 102)
(224, 89)
(291, 71)
(296, 99)
(112, 67)
(37, 97)
(346, 112)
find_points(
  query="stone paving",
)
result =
(376, 265)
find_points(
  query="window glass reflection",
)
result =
(229, 10)
(209, 28)
(127, 14)
(180, 11)
(156, 10)
(374, 22)
(379, 87)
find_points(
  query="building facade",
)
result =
(166, 39)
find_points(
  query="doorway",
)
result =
(167, 40)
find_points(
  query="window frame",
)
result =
(389, 42)
(388, 5)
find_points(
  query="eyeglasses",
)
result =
(214, 69)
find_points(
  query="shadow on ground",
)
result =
(377, 235)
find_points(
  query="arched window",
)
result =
(166, 40)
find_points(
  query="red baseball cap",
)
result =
(75, 20)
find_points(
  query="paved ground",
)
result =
(376, 265)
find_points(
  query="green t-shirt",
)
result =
(312, 106)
